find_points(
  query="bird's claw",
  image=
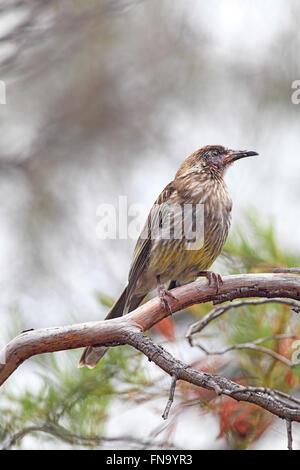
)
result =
(214, 279)
(164, 294)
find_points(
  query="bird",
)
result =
(165, 252)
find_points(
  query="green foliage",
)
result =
(256, 250)
(254, 247)
(105, 299)
(69, 401)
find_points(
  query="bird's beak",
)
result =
(234, 155)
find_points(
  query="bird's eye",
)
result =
(215, 153)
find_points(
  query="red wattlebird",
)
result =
(165, 251)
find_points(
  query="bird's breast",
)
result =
(194, 224)
(199, 231)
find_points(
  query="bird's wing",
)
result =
(144, 243)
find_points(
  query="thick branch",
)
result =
(281, 405)
(113, 332)
(129, 330)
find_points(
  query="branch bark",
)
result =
(129, 330)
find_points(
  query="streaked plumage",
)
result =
(199, 180)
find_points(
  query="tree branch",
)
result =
(289, 434)
(269, 399)
(253, 346)
(171, 397)
(129, 330)
(76, 439)
(220, 310)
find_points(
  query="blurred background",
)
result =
(106, 98)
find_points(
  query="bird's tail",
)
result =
(91, 355)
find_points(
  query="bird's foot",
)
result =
(213, 278)
(164, 295)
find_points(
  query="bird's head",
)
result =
(213, 159)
